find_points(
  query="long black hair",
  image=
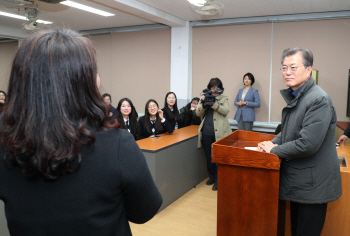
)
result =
(159, 126)
(132, 117)
(171, 114)
(53, 104)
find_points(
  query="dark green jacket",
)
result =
(310, 170)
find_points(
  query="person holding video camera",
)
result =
(246, 101)
(153, 122)
(213, 109)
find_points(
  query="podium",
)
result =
(248, 187)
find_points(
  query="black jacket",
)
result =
(189, 117)
(112, 186)
(172, 121)
(166, 127)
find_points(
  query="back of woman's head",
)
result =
(53, 103)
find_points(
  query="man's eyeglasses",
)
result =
(292, 68)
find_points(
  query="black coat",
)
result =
(166, 127)
(189, 117)
(172, 121)
(112, 186)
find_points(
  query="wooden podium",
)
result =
(248, 187)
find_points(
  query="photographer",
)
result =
(213, 110)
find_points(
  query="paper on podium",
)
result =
(252, 148)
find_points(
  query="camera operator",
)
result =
(213, 109)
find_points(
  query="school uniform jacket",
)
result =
(145, 134)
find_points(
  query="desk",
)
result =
(175, 162)
(338, 212)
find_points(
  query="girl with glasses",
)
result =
(153, 122)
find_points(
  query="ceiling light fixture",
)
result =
(198, 3)
(86, 8)
(22, 17)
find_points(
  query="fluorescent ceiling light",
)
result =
(199, 3)
(86, 8)
(22, 17)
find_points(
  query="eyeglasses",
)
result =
(154, 106)
(171, 98)
(284, 69)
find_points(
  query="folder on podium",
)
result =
(248, 187)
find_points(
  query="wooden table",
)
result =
(175, 162)
(338, 212)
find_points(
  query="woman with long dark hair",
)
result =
(127, 116)
(171, 113)
(153, 122)
(65, 168)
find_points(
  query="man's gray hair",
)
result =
(308, 58)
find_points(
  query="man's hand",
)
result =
(266, 146)
(342, 139)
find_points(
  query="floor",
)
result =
(194, 214)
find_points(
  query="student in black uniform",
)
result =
(153, 122)
(127, 116)
(188, 113)
(171, 113)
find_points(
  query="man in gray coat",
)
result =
(310, 173)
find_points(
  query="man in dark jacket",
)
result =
(345, 136)
(310, 173)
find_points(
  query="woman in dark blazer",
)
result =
(153, 122)
(69, 170)
(247, 99)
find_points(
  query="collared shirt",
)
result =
(125, 120)
(127, 124)
(154, 121)
(293, 94)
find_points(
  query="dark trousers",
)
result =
(207, 141)
(307, 219)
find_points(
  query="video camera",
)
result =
(209, 98)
